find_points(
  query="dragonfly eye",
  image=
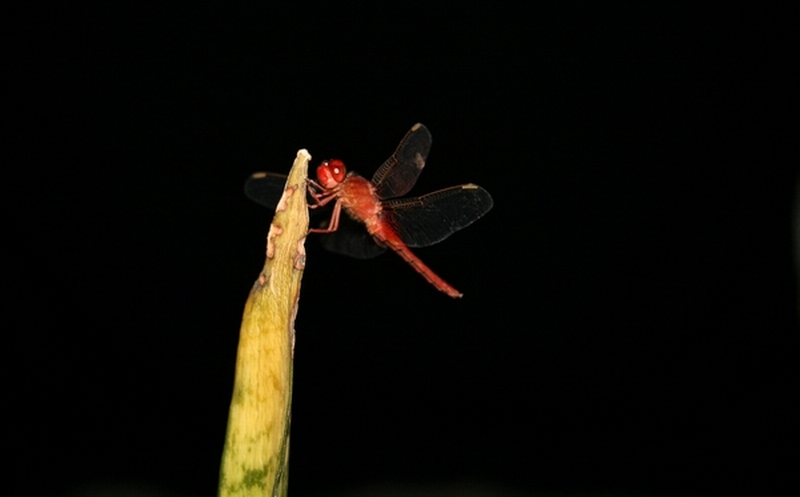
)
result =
(331, 172)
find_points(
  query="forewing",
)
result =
(265, 188)
(429, 219)
(400, 171)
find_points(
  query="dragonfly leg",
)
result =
(333, 224)
(320, 199)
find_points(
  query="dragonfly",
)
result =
(390, 221)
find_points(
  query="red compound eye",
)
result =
(331, 172)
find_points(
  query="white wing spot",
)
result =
(419, 161)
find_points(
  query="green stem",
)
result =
(255, 459)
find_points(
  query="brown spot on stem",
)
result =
(274, 232)
(283, 204)
(292, 319)
(300, 254)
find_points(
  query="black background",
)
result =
(630, 308)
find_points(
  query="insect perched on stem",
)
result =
(397, 223)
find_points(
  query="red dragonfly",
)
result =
(398, 223)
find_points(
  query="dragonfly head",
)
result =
(331, 172)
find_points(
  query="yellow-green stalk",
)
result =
(255, 459)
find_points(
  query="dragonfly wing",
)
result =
(351, 239)
(265, 188)
(429, 219)
(400, 171)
